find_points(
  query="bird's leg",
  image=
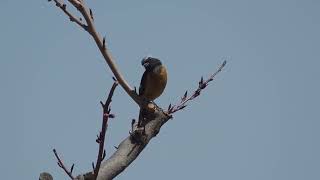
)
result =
(132, 124)
(144, 130)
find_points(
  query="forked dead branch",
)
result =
(129, 149)
(89, 26)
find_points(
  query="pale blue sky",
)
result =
(258, 120)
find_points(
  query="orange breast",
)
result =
(155, 84)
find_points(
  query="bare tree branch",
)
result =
(72, 18)
(102, 134)
(196, 93)
(129, 149)
(62, 166)
(90, 28)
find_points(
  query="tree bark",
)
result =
(128, 150)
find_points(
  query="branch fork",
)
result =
(62, 166)
(129, 149)
(100, 42)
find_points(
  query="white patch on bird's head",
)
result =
(150, 63)
(144, 61)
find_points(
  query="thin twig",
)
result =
(102, 134)
(72, 18)
(196, 93)
(90, 28)
(62, 166)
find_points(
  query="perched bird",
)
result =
(153, 81)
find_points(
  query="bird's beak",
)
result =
(144, 62)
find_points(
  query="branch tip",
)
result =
(102, 104)
(91, 14)
(104, 42)
(72, 168)
(223, 64)
(202, 85)
(62, 166)
(184, 96)
(87, 14)
(201, 81)
(93, 166)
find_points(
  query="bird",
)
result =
(153, 81)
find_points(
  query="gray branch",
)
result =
(127, 150)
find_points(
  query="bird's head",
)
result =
(150, 63)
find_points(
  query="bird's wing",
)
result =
(143, 83)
